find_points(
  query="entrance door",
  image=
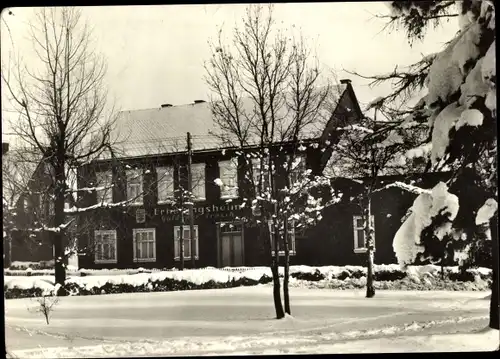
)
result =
(231, 240)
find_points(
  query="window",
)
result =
(229, 177)
(105, 187)
(144, 244)
(105, 246)
(256, 173)
(291, 238)
(52, 206)
(198, 177)
(134, 186)
(297, 169)
(186, 242)
(165, 183)
(359, 234)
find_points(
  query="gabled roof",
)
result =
(18, 168)
(163, 130)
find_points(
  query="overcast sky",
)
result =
(155, 54)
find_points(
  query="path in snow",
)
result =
(189, 321)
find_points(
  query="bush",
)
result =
(13, 293)
(385, 275)
(462, 276)
(349, 278)
(312, 277)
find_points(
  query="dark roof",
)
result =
(163, 130)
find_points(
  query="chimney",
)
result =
(5, 148)
(166, 105)
(199, 101)
(345, 81)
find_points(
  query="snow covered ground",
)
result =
(240, 321)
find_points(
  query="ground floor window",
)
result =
(186, 242)
(291, 239)
(359, 233)
(144, 244)
(105, 246)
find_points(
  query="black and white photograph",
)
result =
(249, 179)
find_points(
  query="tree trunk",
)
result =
(370, 290)
(494, 317)
(286, 295)
(278, 306)
(59, 218)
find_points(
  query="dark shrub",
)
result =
(461, 276)
(312, 277)
(385, 275)
(22, 293)
(343, 275)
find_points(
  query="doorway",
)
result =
(231, 244)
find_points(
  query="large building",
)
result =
(147, 169)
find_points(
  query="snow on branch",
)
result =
(487, 211)
(355, 127)
(89, 189)
(96, 206)
(52, 229)
(406, 187)
(407, 241)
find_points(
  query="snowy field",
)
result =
(240, 321)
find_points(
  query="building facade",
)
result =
(140, 224)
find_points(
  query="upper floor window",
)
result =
(198, 181)
(259, 167)
(165, 183)
(134, 186)
(104, 186)
(229, 177)
(291, 238)
(297, 168)
(359, 233)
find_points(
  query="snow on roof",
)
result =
(163, 130)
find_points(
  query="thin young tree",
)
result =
(365, 152)
(62, 103)
(267, 96)
(460, 106)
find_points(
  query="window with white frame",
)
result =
(198, 178)
(291, 238)
(256, 171)
(297, 168)
(144, 244)
(134, 186)
(104, 184)
(186, 241)
(359, 233)
(105, 246)
(229, 177)
(165, 183)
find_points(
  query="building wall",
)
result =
(207, 213)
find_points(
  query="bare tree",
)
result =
(268, 97)
(369, 150)
(61, 103)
